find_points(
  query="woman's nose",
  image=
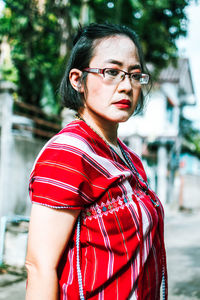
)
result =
(125, 84)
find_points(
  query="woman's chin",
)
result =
(124, 118)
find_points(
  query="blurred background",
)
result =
(36, 37)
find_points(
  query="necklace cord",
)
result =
(78, 117)
(155, 202)
(139, 179)
(141, 244)
(80, 280)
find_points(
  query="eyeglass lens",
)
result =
(113, 75)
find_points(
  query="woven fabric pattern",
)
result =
(78, 170)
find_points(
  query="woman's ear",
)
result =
(75, 80)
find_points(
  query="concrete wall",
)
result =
(18, 150)
(191, 191)
(25, 151)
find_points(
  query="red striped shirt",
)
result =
(121, 229)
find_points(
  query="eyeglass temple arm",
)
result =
(94, 70)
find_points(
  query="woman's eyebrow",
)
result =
(135, 67)
(116, 62)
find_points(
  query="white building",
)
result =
(155, 135)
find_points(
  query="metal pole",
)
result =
(6, 102)
(162, 172)
(2, 237)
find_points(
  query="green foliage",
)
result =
(8, 72)
(35, 41)
(191, 137)
(47, 101)
(158, 23)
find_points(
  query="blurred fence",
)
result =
(24, 130)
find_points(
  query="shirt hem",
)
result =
(57, 207)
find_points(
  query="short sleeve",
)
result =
(59, 177)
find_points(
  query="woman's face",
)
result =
(106, 102)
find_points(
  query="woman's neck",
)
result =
(105, 129)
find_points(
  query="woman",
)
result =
(97, 232)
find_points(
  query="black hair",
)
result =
(82, 53)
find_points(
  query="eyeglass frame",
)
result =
(102, 71)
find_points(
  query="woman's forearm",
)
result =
(49, 233)
(41, 284)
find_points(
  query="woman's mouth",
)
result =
(124, 103)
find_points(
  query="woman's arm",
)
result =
(49, 233)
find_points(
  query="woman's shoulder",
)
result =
(70, 140)
(72, 135)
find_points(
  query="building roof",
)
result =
(179, 74)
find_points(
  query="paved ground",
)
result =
(14, 291)
(182, 237)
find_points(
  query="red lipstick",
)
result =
(124, 103)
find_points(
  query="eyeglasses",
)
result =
(115, 76)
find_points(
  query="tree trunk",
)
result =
(118, 15)
(84, 14)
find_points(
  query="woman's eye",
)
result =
(136, 76)
(111, 72)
